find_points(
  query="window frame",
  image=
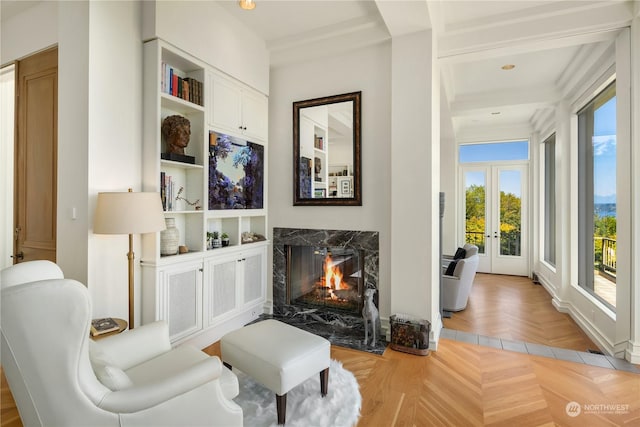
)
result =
(550, 228)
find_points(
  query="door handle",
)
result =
(19, 256)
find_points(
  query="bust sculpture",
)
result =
(176, 131)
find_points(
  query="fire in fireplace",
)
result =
(330, 278)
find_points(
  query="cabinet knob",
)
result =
(244, 128)
(240, 127)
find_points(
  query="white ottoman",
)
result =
(278, 356)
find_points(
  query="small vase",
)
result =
(169, 238)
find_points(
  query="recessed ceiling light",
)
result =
(247, 4)
(508, 67)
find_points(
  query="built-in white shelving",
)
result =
(182, 288)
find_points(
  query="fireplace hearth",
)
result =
(319, 278)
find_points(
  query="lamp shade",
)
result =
(128, 213)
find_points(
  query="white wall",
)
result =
(73, 139)
(633, 349)
(213, 35)
(448, 178)
(7, 94)
(32, 30)
(367, 70)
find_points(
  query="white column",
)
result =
(633, 347)
(415, 178)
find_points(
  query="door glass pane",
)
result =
(475, 205)
(510, 212)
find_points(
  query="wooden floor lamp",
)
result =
(129, 213)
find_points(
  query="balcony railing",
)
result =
(475, 238)
(605, 248)
(509, 241)
(605, 254)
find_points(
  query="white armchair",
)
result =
(58, 376)
(469, 249)
(457, 287)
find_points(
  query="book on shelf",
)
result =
(186, 88)
(163, 191)
(174, 85)
(103, 326)
(166, 191)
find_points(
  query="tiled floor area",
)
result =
(541, 350)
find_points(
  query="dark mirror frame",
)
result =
(356, 200)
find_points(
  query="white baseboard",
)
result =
(632, 352)
(583, 323)
(434, 337)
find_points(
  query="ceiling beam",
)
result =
(404, 16)
(556, 23)
(486, 102)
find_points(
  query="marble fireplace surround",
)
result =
(339, 328)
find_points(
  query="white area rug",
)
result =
(305, 407)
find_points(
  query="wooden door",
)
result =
(36, 157)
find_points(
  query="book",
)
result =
(163, 191)
(103, 326)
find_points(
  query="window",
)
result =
(550, 200)
(494, 151)
(597, 197)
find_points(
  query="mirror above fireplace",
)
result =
(326, 151)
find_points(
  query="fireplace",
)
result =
(328, 278)
(307, 295)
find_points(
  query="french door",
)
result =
(495, 216)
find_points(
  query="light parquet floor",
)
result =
(469, 385)
(513, 307)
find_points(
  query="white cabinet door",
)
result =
(233, 282)
(221, 286)
(254, 115)
(225, 100)
(236, 109)
(253, 275)
(180, 299)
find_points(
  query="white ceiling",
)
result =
(476, 37)
(543, 39)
